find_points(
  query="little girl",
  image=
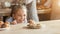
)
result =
(18, 15)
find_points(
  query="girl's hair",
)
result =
(16, 8)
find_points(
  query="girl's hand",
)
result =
(14, 22)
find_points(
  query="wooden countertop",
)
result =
(49, 27)
(43, 11)
(5, 12)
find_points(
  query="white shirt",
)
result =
(28, 1)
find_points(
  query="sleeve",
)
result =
(32, 12)
(9, 19)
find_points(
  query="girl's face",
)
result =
(20, 16)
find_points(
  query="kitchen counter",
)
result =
(50, 27)
(44, 14)
(5, 12)
(43, 11)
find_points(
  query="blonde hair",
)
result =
(16, 8)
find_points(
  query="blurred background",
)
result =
(47, 9)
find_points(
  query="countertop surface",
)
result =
(43, 11)
(47, 27)
(5, 12)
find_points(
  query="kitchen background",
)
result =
(51, 13)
